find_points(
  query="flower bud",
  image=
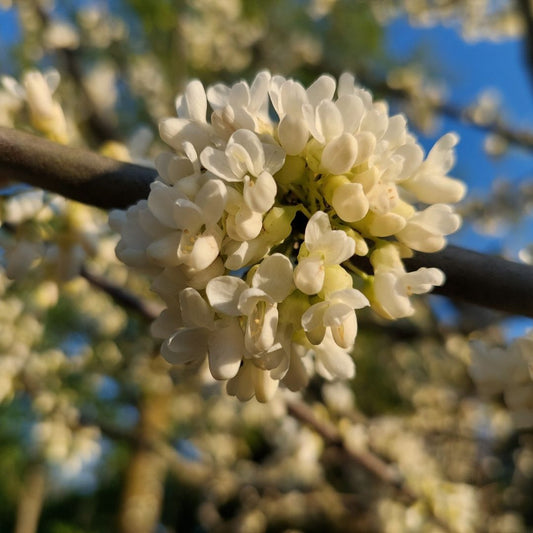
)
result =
(292, 171)
(331, 184)
(336, 279)
(277, 222)
(350, 202)
(292, 308)
(340, 154)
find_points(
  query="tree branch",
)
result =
(84, 176)
(147, 310)
(366, 459)
(525, 8)
(385, 472)
(485, 280)
(72, 172)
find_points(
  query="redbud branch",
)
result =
(526, 10)
(72, 172)
(369, 461)
(122, 297)
(95, 180)
(485, 280)
(365, 458)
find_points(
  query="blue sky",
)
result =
(468, 69)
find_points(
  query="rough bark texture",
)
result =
(77, 174)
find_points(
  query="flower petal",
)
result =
(255, 160)
(224, 292)
(195, 311)
(241, 254)
(309, 275)
(333, 362)
(176, 131)
(337, 247)
(198, 251)
(261, 327)
(317, 226)
(260, 194)
(293, 134)
(340, 154)
(218, 95)
(226, 349)
(242, 384)
(351, 297)
(293, 96)
(420, 281)
(351, 108)
(193, 104)
(329, 120)
(350, 202)
(166, 323)
(388, 301)
(217, 162)
(165, 250)
(265, 387)
(274, 158)
(274, 276)
(161, 202)
(211, 199)
(314, 316)
(187, 345)
(187, 215)
(322, 88)
(296, 377)
(248, 223)
(259, 92)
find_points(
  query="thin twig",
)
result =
(366, 459)
(369, 461)
(122, 297)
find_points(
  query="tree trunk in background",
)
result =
(144, 485)
(31, 499)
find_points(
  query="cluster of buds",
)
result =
(252, 228)
(506, 372)
(37, 91)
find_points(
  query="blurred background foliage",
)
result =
(98, 434)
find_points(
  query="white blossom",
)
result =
(336, 313)
(247, 160)
(325, 247)
(222, 227)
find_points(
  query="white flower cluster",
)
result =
(37, 91)
(251, 226)
(44, 232)
(507, 372)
